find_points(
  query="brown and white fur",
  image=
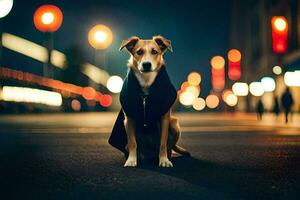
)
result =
(146, 59)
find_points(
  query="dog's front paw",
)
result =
(165, 162)
(131, 162)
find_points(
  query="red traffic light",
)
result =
(279, 34)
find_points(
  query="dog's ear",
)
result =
(129, 43)
(163, 43)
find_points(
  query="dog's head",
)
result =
(146, 55)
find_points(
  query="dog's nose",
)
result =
(146, 66)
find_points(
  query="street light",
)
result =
(48, 19)
(5, 8)
(234, 64)
(100, 37)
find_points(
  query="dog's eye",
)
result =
(140, 52)
(154, 51)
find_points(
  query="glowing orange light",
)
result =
(199, 104)
(194, 78)
(184, 85)
(279, 23)
(234, 64)
(48, 18)
(76, 105)
(225, 93)
(212, 101)
(100, 37)
(234, 55)
(88, 93)
(217, 62)
(105, 100)
(218, 72)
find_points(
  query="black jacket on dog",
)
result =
(146, 110)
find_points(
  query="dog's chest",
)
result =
(146, 80)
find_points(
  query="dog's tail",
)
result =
(181, 150)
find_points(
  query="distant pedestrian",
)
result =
(260, 109)
(287, 102)
(276, 108)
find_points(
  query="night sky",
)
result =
(198, 30)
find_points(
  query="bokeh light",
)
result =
(194, 78)
(105, 100)
(277, 70)
(31, 95)
(256, 89)
(114, 84)
(217, 62)
(240, 89)
(292, 78)
(268, 84)
(187, 98)
(48, 18)
(279, 34)
(225, 93)
(280, 23)
(234, 55)
(199, 104)
(212, 101)
(5, 7)
(100, 37)
(184, 85)
(231, 100)
(76, 105)
(88, 93)
(195, 90)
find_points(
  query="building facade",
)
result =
(251, 33)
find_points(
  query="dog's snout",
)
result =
(146, 66)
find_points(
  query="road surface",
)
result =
(66, 156)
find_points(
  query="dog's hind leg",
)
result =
(175, 135)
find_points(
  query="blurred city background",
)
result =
(235, 65)
(64, 57)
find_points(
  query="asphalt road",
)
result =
(66, 156)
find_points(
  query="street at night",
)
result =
(90, 94)
(66, 156)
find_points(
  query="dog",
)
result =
(146, 65)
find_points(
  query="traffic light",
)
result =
(279, 34)
(218, 72)
(234, 64)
